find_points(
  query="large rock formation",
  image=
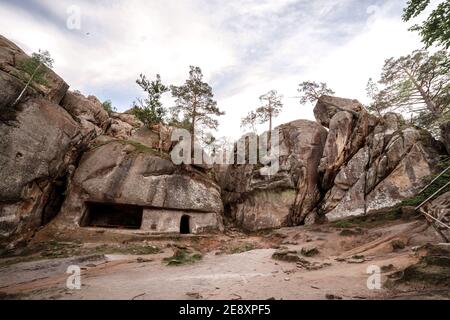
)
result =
(36, 154)
(372, 163)
(39, 144)
(60, 148)
(258, 201)
(363, 164)
(132, 175)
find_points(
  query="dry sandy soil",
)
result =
(232, 266)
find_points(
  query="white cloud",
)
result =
(245, 47)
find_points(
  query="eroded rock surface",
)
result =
(391, 164)
(259, 201)
(36, 154)
(88, 111)
(125, 173)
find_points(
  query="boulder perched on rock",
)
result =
(327, 107)
(123, 177)
(259, 201)
(36, 156)
(88, 111)
(123, 125)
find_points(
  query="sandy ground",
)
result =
(342, 264)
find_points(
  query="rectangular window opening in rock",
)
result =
(112, 215)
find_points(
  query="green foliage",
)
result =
(184, 123)
(418, 84)
(150, 109)
(250, 121)
(436, 28)
(241, 247)
(182, 257)
(33, 69)
(141, 148)
(108, 107)
(371, 220)
(309, 252)
(434, 187)
(270, 108)
(195, 103)
(311, 91)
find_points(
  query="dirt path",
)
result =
(342, 262)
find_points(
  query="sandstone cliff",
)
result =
(66, 165)
(362, 164)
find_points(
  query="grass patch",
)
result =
(371, 220)
(142, 148)
(61, 250)
(398, 245)
(284, 255)
(242, 247)
(182, 257)
(435, 186)
(433, 268)
(139, 147)
(309, 252)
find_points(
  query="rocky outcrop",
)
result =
(363, 164)
(258, 201)
(123, 125)
(88, 111)
(374, 163)
(327, 107)
(129, 174)
(349, 126)
(13, 78)
(36, 155)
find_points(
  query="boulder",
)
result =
(123, 125)
(259, 201)
(129, 175)
(88, 111)
(128, 118)
(36, 155)
(327, 107)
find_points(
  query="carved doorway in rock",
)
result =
(185, 225)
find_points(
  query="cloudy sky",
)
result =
(244, 47)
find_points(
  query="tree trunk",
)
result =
(429, 103)
(26, 86)
(194, 115)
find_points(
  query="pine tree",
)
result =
(150, 109)
(194, 100)
(418, 84)
(311, 91)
